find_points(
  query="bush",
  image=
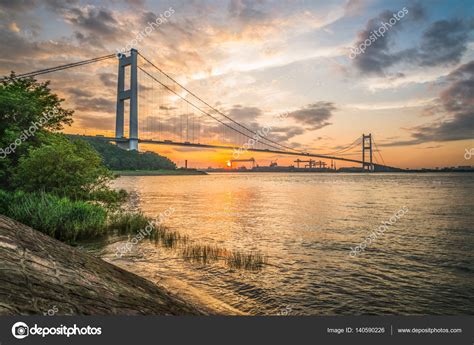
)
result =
(62, 167)
(60, 218)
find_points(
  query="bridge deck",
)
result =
(189, 144)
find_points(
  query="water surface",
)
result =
(306, 224)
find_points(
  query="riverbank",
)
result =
(40, 274)
(160, 172)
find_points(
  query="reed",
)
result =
(168, 238)
(204, 254)
(122, 222)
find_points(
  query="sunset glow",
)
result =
(254, 60)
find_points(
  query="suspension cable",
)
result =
(59, 68)
(216, 110)
(347, 148)
(195, 106)
(378, 151)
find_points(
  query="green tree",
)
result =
(116, 158)
(63, 167)
(27, 108)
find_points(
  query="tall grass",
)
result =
(248, 261)
(166, 237)
(70, 221)
(204, 254)
(126, 222)
(58, 217)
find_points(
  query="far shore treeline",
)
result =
(116, 158)
(55, 183)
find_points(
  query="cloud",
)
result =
(245, 114)
(354, 7)
(442, 43)
(314, 116)
(246, 10)
(378, 55)
(282, 134)
(94, 20)
(98, 104)
(457, 100)
(97, 122)
(85, 100)
(15, 5)
(95, 26)
(108, 79)
(79, 93)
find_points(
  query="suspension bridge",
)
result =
(163, 111)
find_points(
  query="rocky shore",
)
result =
(40, 275)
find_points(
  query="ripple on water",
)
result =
(306, 225)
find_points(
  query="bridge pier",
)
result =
(367, 145)
(132, 95)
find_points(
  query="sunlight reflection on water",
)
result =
(305, 224)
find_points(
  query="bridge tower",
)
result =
(132, 95)
(367, 146)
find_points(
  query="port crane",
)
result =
(232, 161)
(311, 163)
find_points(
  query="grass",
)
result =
(67, 220)
(70, 221)
(126, 222)
(60, 218)
(166, 237)
(195, 252)
(248, 261)
(205, 254)
(202, 253)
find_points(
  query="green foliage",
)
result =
(116, 158)
(58, 184)
(5, 200)
(23, 104)
(64, 168)
(60, 218)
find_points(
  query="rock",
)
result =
(40, 275)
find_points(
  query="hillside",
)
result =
(116, 158)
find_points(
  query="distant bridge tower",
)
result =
(132, 95)
(367, 145)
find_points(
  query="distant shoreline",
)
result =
(359, 171)
(160, 172)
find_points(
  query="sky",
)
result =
(401, 70)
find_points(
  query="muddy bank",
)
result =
(39, 274)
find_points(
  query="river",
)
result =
(305, 224)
